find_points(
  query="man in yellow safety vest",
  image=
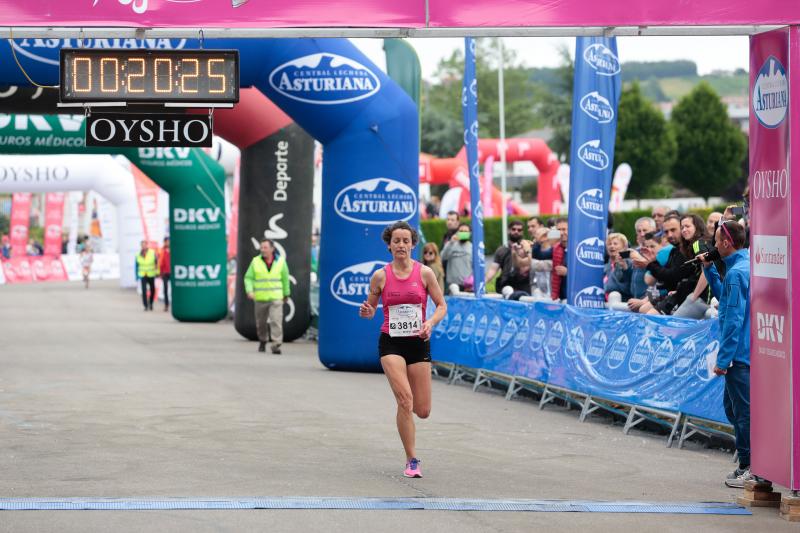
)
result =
(147, 271)
(266, 282)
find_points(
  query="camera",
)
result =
(625, 254)
(738, 211)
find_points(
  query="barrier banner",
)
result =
(46, 268)
(104, 266)
(19, 223)
(594, 129)
(660, 362)
(469, 103)
(17, 270)
(773, 203)
(53, 223)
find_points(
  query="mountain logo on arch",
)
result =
(47, 50)
(351, 284)
(378, 201)
(324, 78)
(771, 93)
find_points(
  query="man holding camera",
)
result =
(503, 261)
(733, 358)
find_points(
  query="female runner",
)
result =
(404, 346)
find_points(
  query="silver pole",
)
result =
(500, 90)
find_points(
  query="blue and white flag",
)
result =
(469, 104)
(594, 129)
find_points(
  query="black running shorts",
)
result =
(412, 349)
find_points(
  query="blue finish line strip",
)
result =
(377, 504)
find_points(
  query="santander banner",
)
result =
(385, 13)
(53, 223)
(20, 223)
(774, 205)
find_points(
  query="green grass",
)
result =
(676, 88)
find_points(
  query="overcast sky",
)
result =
(710, 53)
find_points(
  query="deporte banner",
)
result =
(654, 361)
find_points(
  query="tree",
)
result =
(442, 100)
(710, 146)
(442, 135)
(555, 107)
(644, 141)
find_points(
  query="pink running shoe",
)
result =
(412, 468)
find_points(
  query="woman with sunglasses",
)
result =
(403, 287)
(432, 260)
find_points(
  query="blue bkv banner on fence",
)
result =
(653, 361)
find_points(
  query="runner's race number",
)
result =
(405, 320)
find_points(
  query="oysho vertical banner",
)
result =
(20, 223)
(773, 202)
(594, 128)
(53, 223)
(469, 103)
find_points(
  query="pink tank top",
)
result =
(402, 291)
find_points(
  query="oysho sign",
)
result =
(377, 201)
(138, 130)
(33, 174)
(325, 78)
(771, 93)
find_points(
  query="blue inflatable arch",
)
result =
(369, 129)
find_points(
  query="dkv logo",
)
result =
(201, 215)
(197, 272)
(324, 79)
(164, 153)
(591, 252)
(590, 202)
(47, 50)
(597, 107)
(351, 284)
(377, 201)
(769, 327)
(594, 297)
(592, 155)
(771, 94)
(601, 59)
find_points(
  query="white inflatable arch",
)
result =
(100, 173)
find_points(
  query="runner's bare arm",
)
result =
(367, 309)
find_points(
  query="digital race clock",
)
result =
(149, 76)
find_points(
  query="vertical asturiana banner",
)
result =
(469, 103)
(20, 223)
(594, 129)
(771, 200)
(53, 223)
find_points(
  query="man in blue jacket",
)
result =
(733, 358)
